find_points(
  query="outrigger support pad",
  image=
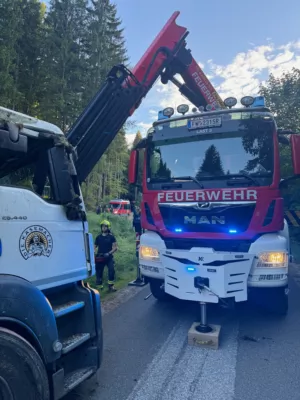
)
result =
(203, 327)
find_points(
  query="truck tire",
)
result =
(158, 291)
(22, 372)
(280, 301)
(274, 300)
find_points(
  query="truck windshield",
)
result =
(220, 159)
(115, 205)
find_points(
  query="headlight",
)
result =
(149, 253)
(273, 259)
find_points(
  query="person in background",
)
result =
(136, 221)
(105, 247)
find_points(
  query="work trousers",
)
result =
(111, 271)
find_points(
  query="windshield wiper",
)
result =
(232, 179)
(188, 178)
(237, 179)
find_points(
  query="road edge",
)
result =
(118, 298)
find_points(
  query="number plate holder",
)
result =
(205, 122)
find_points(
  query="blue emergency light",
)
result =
(161, 115)
(190, 269)
(259, 101)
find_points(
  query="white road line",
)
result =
(182, 372)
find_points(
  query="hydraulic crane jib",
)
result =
(122, 93)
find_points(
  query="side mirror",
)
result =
(133, 166)
(295, 145)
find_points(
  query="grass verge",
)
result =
(125, 259)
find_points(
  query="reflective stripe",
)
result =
(110, 282)
(292, 218)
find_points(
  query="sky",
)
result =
(237, 43)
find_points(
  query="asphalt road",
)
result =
(146, 355)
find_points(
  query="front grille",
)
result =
(223, 245)
(219, 219)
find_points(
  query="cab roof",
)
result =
(213, 112)
(31, 123)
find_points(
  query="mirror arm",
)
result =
(288, 179)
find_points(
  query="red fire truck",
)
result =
(212, 208)
(120, 207)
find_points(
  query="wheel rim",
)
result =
(5, 392)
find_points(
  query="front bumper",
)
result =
(229, 274)
(268, 277)
(226, 275)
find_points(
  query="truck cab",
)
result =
(50, 320)
(212, 209)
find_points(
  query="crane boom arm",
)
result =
(123, 91)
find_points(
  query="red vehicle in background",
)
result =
(120, 207)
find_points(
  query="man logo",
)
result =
(208, 220)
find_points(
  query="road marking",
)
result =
(182, 372)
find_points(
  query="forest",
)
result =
(53, 60)
(54, 57)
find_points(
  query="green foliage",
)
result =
(125, 257)
(283, 98)
(20, 52)
(53, 61)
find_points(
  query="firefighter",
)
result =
(105, 247)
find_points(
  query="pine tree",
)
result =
(137, 139)
(29, 56)
(105, 47)
(212, 164)
(64, 61)
(109, 177)
(106, 44)
(53, 62)
(10, 20)
(20, 44)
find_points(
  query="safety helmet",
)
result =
(105, 222)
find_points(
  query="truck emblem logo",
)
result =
(35, 241)
(205, 220)
(203, 205)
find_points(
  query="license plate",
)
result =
(201, 123)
